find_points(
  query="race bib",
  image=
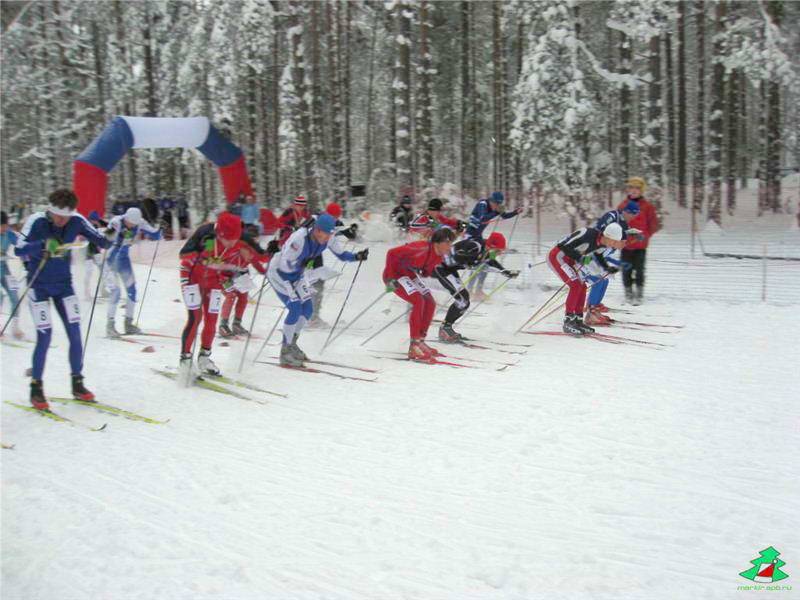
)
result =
(13, 283)
(41, 314)
(191, 296)
(72, 308)
(243, 283)
(410, 287)
(569, 272)
(214, 301)
(301, 289)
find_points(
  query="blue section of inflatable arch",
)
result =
(218, 149)
(110, 146)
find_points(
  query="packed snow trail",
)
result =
(586, 470)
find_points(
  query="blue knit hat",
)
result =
(94, 216)
(632, 207)
(325, 223)
(497, 198)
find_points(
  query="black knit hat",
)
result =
(3, 218)
(435, 204)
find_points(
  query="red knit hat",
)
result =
(229, 226)
(300, 200)
(421, 223)
(496, 241)
(334, 210)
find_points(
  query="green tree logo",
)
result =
(767, 568)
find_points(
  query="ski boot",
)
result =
(38, 401)
(638, 293)
(238, 329)
(79, 391)
(571, 325)
(185, 369)
(206, 365)
(601, 307)
(111, 332)
(130, 328)
(586, 329)
(595, 317)
(225, 330)
(449, 335)
(429, 349)
(419, 352)
(296, 351)
(628, 294)
(479, 296)
(288, 358)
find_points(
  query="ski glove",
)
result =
(208, 245)
(362, 254)
(461, 226)
(52, 247)
(391, 285)
(273, 247)
(351, 232)
(511, 274)
(612, 270)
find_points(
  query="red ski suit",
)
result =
(406, 264)
(208, 268)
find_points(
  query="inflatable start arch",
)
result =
(90, 170)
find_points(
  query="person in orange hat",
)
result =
(635, 251)
(207, 261)
(292, 218)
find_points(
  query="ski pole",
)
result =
(539, 310)
(147, 283)
(341, 310)
(25, 292)
(550, 312)
(359, 315)
(489, 295)
(264, 283)
(94, 303)
(385, 327)
(271, 331)
(513, 227)
(341, 270)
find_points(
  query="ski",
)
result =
(586, 335)
(317, 371)
(149, 334)
(612, 339)
(477, 360)
(470, 345)
(641, 324)
(343, 366)
(432, 361)
(56, 417)
(242, 384)
(208, 385)
(125, 339)
(632, 340)
(111, 410)
(7, 446)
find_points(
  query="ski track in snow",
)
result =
(584, 471)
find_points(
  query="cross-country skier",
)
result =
(292, 218)
(123, 230)
(315, 267)
(8, 239)
(401, 214)
(422, 227)
(405, 266)
(635, 252)
(484, 212)
(287, 275)
(435, 212)
(236, 287)
(597, 275)
(465, 254)
(622, 216)
(47, 263)
(209, 257)
(565, 259)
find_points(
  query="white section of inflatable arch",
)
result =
(168, 132)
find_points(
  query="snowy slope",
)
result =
(586, 470)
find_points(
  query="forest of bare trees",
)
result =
(540, 96)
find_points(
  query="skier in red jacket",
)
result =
(405, 266)
(291, 218)
(634, 253)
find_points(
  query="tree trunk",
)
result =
(671, 134)
(625, 56)
(345, 76)
(466, 95)
(402, 83)
(99, 74)
(654, 114)
(715, 124)
(333, 30)
(699, 164)
(302, 109)
(774, 133)
(425, 104)
(369, 137)
(318, 134)
(732, 141)
(127, 107)
(683, 133)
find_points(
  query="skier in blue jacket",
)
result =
(43, 246)
(287, 275)
(486, 211)
(123, 230)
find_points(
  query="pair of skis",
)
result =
(98, 406)
(318, 371)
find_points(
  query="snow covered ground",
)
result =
(583, 470)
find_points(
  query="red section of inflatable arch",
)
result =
(90, 185)
(235, 180)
